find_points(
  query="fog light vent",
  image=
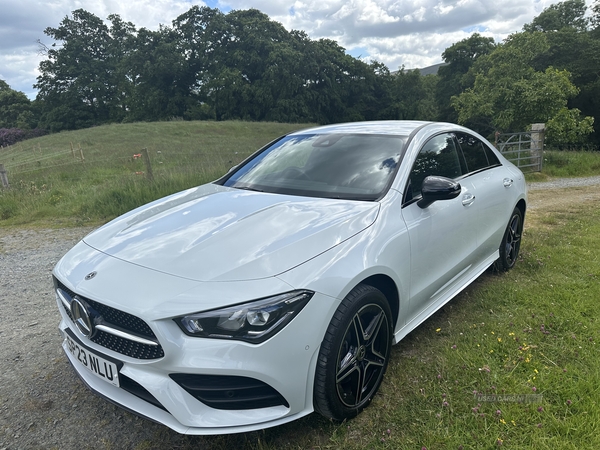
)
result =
(229, 392)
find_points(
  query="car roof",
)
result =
(391, 127)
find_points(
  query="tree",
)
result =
(243, 65)
(412, 96)
(568, 14)
(210, 65)
(155, 70)
(202, 34)
(568, 128)
(595, 17)
(15, 108)
(508, 93)
(81, 77)
(459, 58)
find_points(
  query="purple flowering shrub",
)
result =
(10, 136)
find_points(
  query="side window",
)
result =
(437, 157)
(477, 155)
(491, 156)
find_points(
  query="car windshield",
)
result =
(346, 166)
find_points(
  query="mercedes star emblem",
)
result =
(82, 318)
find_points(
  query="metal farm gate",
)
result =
(524, 150)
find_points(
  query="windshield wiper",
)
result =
(247, 188)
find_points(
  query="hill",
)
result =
(431, 70)
(92, 175)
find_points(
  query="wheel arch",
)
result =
(522, 207)
(388, 288)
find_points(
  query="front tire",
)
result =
(354, 354)
(511, 242)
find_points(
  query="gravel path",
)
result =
(42, 401)
(559, 183)
(43, 404)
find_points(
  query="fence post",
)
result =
(537, 143)
(146, 157)
(4, 177)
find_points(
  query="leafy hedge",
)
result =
(10, 136)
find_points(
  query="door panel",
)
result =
(442, 241)
(493, 208)
(442, 235)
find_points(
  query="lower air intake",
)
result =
(229, 392)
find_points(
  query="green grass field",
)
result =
(566, 164)
(529, 337)
(51, 185)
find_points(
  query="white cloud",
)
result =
(410, 32)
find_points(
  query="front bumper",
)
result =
(286, 362)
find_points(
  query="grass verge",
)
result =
(567, 164)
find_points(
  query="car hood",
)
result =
(215, 233)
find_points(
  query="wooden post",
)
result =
(4, 177)
(72, 151)
(81, 153)
(148, 166)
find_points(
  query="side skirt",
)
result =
(448, 294)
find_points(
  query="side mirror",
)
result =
(436, 188)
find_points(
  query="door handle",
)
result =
(468, 199)
(507, 182)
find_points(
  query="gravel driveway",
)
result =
(43, 404)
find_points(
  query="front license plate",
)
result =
(99, 366)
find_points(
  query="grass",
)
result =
(51, 185)
(566, 164)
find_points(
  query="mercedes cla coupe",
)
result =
(280, 288)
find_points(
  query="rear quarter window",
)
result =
(477, 155)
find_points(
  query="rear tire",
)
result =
(511, 242)
(354, 354)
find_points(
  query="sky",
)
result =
(409, 33)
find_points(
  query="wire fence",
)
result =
(22, 164)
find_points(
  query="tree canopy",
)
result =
(15, 108)
(208, 65)
(242, 65)
(565, 15)
(547, 73)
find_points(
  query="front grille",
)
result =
(120, 320)
(229, 392)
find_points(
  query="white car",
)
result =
(279, 289)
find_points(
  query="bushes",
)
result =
(10, 136)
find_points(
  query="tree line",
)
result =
(209, 65)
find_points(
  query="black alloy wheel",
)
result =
(354, 354)
(511, 242)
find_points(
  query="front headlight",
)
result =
(253, 322)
